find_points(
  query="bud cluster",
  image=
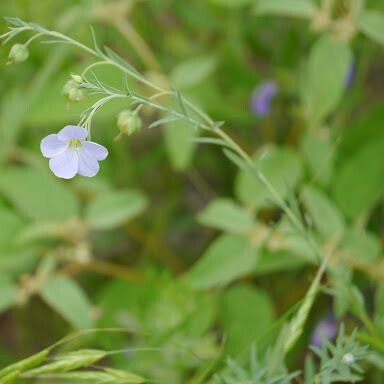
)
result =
(72, 89)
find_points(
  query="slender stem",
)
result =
(201, 113)
(154, 97)
(29, 41)
(108, 269)
(72, 41)
(104, 62)
(279, 200)
(5, 34)
(139, 78)
(102, 56)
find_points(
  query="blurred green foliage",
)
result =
(185, 254)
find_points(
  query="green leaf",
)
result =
(286, 239)
(295, 326)
(371, 23)
(8, 293)
(324, 80)
(360, 245)
(113, 209)
(326, 217)
(297, 8)
(341, 279)
(179, 143)
(226, 215)
(37, 195)
(246, 315)
(173, 307)
(231, 3)
(17, 261)
(226, 259)
(282, 167)
(43, 230)
(83, 376)
(27, 363)
(365, 129)
(125, 376)
(68, 299)
(359, 181)
(10, 378)
(10, 110)
(280, 261)
(319, 154)
(193, 71)
(10, 225)
(164, 120)
(69, 361)
(296, 244)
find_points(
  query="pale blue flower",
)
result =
(70, 153)
(262, 97)
(326, 328)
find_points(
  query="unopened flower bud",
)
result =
(72, 91)
(18, 53)
(348, 359)
(128, 122)
(77, 78)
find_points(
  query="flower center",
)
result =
(75, 144)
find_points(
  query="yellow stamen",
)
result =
(75, 144)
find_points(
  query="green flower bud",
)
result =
(128, 122)
(18, 53)
(77, 78)
(72, 91)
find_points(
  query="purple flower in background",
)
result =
(350, 76)
(262, 97)
(326, 328)
(70, 153)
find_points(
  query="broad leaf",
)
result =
(282, 168)
(246, 314)
(297, 8)
(226, 215)
(179, 143)
(231, 3)
(359, 181)
(371, 23)
(226, 259)
(8, 295)
(319, 154)
(114, 208)
(192, 72)
(325, 216)
(11, 224)
(37, 195)
(324, 80)
(68, 299)
(360, 246)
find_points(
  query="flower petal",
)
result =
(88, 165)
(98, 151)
(262, 97)
(66, 164)
(51, 146)
(72, 132)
